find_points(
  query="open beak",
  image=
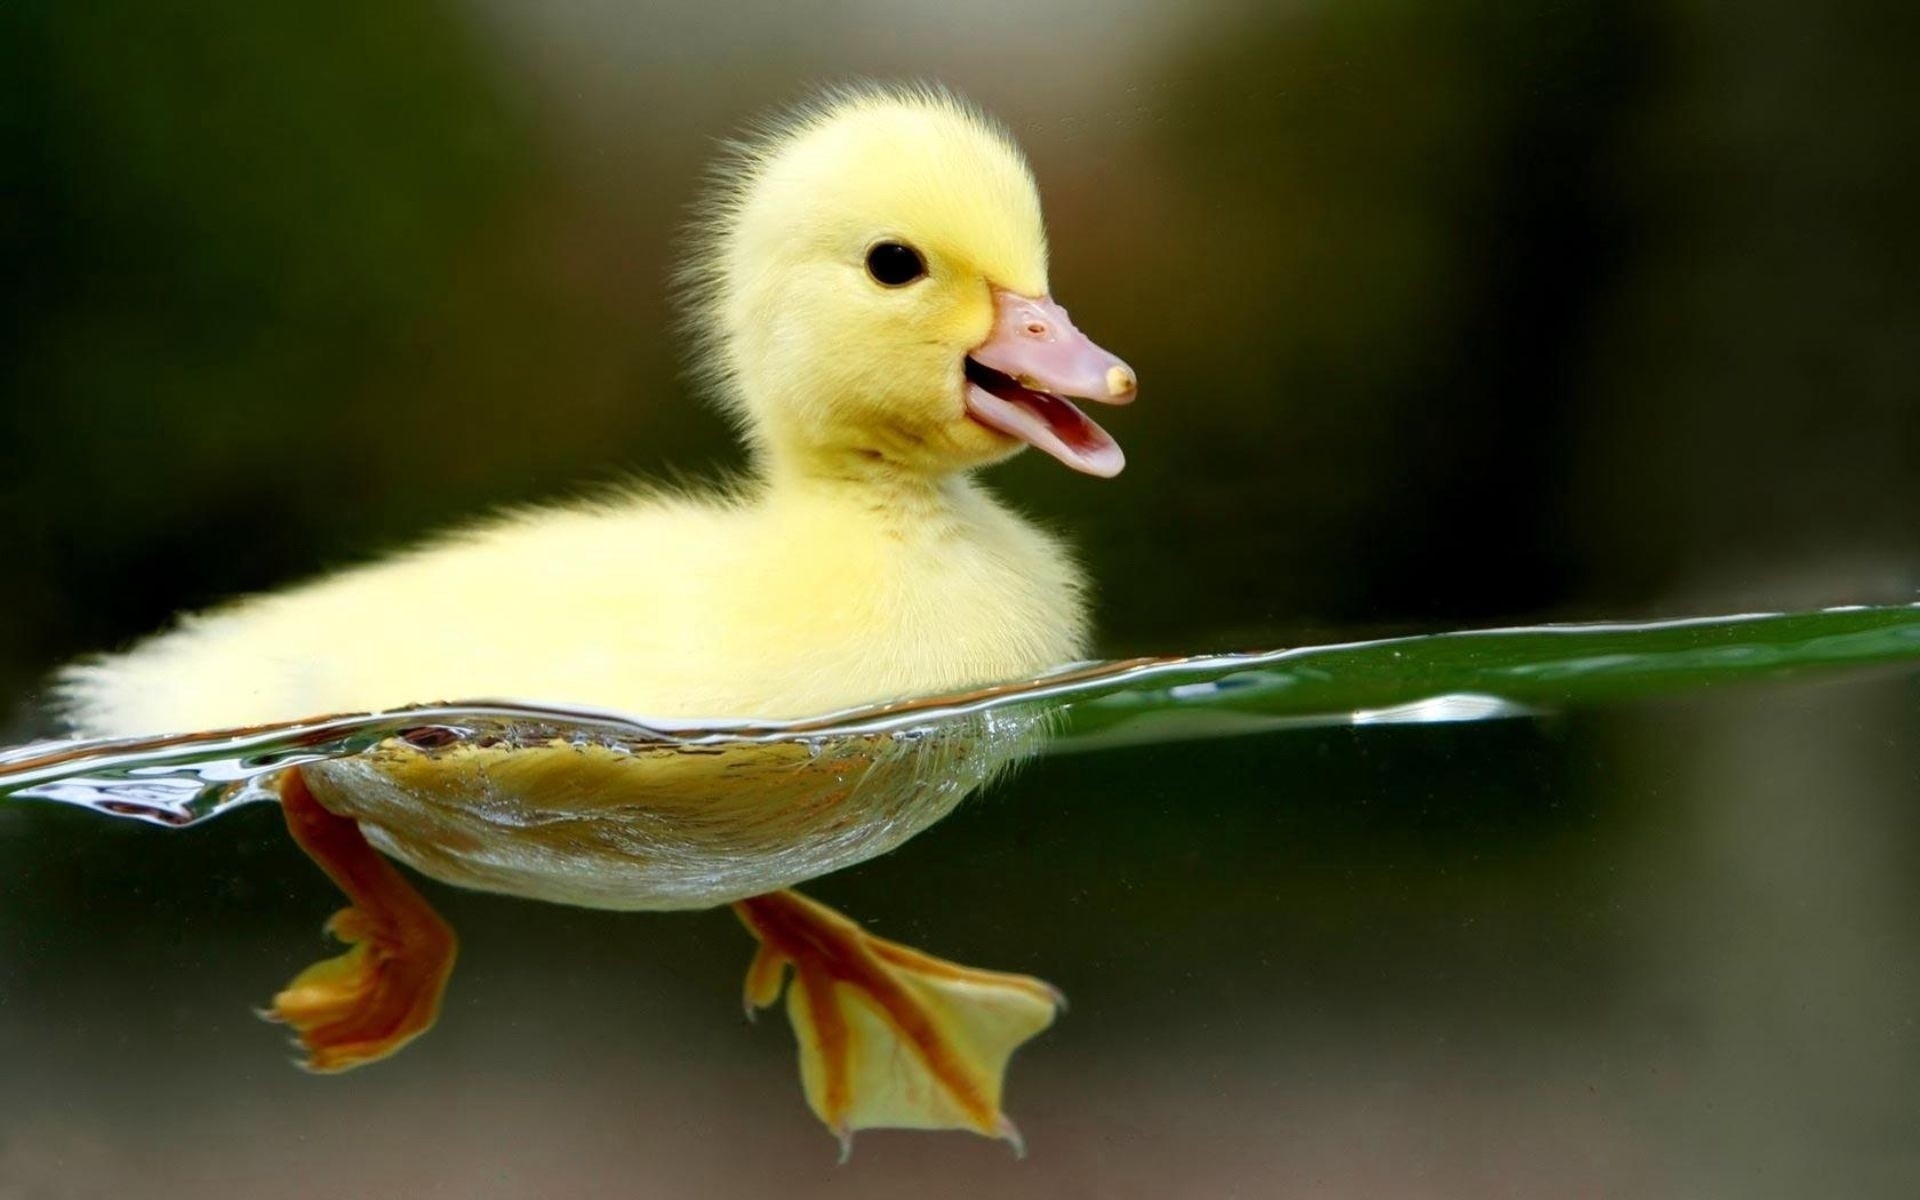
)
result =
(1018, 381)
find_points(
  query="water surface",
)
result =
(1471, 675)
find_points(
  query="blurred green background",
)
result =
(1446, 314)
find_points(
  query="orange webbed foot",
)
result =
(367, 1003)
(890, 1037)
(386, 989)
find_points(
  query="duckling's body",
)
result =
(870, 292)
(783, 600)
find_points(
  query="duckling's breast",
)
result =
(605, 823)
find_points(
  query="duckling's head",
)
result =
(870, 283)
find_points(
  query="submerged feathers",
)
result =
(619, 825)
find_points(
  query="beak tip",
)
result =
(1121, 382)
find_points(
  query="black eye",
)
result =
(895, 264)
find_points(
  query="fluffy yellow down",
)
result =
(858, 563)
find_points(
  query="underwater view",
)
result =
(584, 621)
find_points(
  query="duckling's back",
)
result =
(793, 602)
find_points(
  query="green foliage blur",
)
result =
(1444, 313)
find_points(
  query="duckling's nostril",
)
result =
(1121, 381)
(1037, 328)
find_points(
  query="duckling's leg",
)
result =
(890, 1037)
(385, 990)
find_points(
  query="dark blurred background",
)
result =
(1446, 314)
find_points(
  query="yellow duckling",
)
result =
(870, 289)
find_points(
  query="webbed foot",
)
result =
(890, 1037)
(386, 989)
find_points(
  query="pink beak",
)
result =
(1018, 381)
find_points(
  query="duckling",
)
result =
(869, 298)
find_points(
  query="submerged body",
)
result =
(615, 825)
(870, 291)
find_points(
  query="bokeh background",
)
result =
(1446, 314)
